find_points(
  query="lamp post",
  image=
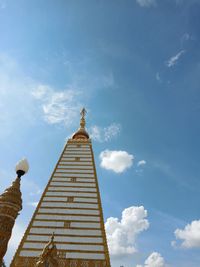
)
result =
(10, 205)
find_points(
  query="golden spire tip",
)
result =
(83, 112)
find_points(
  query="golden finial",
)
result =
(83, 112)
(81, 133)
(82, 121)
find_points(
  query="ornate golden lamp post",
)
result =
(10, 205)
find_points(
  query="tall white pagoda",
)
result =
(70, 210)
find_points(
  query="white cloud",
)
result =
(146, 3)
(173, 60)
(154, 260)
(122, 235)
(141, 163)
(24, 100)
(59, 107)
(105, 134)
(190, 235)
(117, 161)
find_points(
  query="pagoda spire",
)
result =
(82, 120)
(81, 133)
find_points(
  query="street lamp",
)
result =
(22, 167)
(10, 205)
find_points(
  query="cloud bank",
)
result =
(122, 235)
(190, 235)
(154, 260)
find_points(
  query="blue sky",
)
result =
(135, 66)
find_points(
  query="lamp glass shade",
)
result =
(22, 165)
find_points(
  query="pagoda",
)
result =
(70, 210)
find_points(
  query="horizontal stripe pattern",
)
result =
(78, 175)
(75, 156)
(66, 246)
(67, 217)
(58, 199)
(91, 256)
(75, 163)
(69, 205)
(65, 179)
(66, 239)
(85, 225)
(68, 149)
(73, 171)
(81, 189)
(69, 255)
(73, 184)
(28, 253)
(79, 145)
(85, 200)
(70, 209)
(72, 224)
(71, 194)
(76, 160)
(48, 223)
(63, 166)
(75, 232)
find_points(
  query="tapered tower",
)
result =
(70, 207)
(10, 205)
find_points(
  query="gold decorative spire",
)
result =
(10, 205)
(82, 121)
(83, 112)
(81, 133)
(49, 256)
(12, 194)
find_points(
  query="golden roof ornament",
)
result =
(48, 257)
(81, 134)
(12, 194)
(82, 122)
(10, 205)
